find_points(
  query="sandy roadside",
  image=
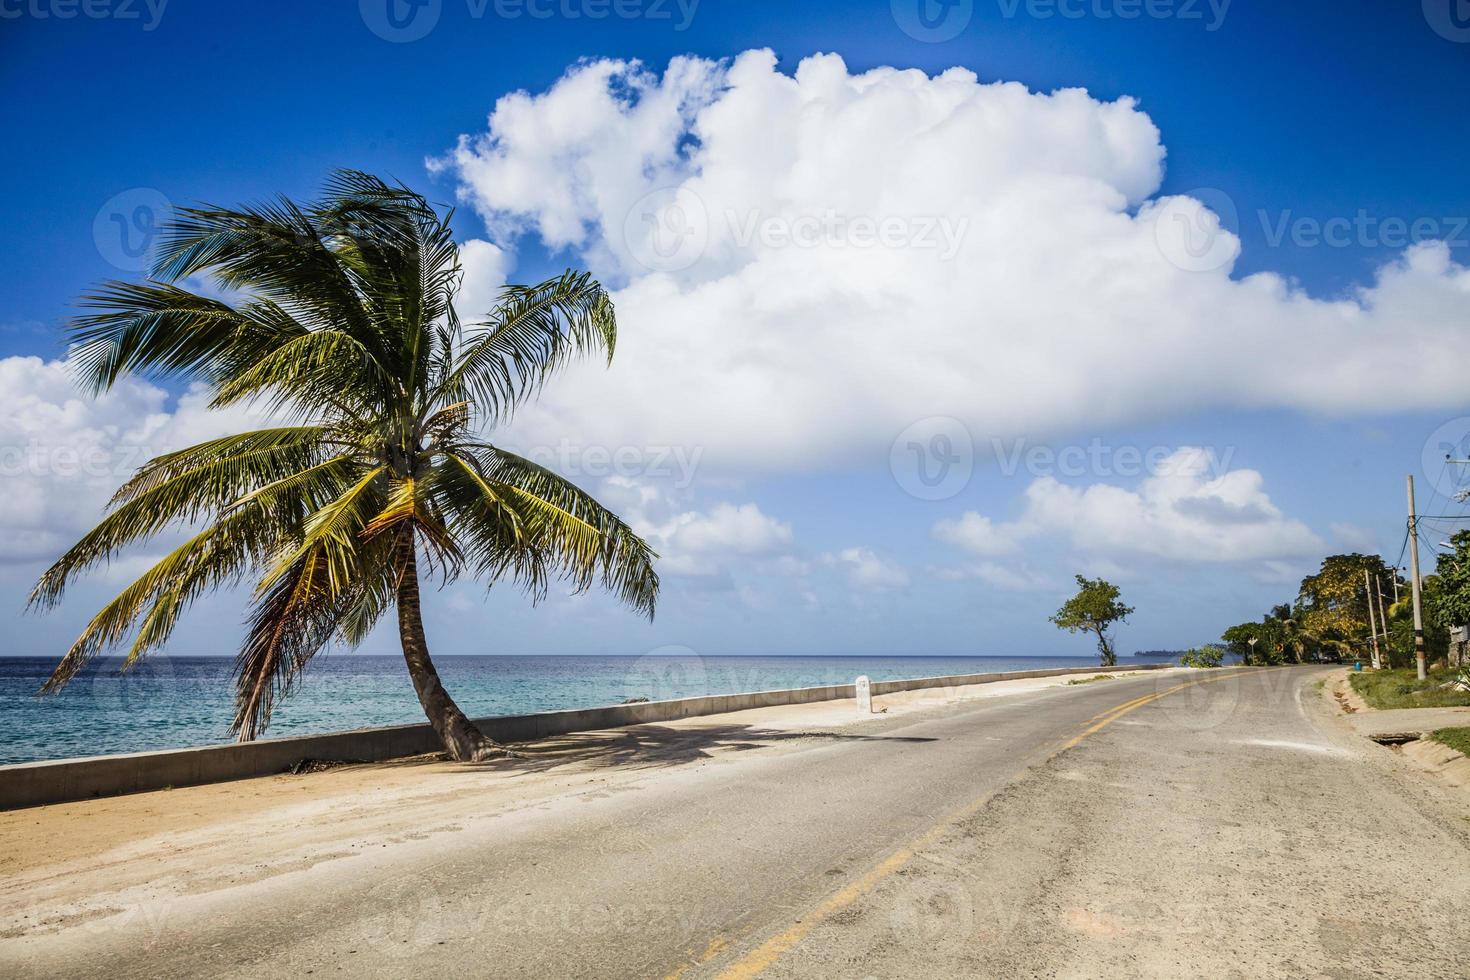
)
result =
(74, 862)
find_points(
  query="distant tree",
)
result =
(1332, 605)
(1270, 644)
(1238, 640)
(1094, 609)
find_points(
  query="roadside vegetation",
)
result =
(1456, 738)
(1400, 688)
(1206, 656)
(1329, 618)
(1089, 680)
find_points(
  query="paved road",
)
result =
(1137, 827)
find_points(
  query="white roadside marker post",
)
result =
(864, 695)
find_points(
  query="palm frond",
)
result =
(532, 332)
(156, 330)
(523, 521)
(197, 483)
(220, 554)
(315, 371)
(333, 529)
(230, 465)
(292, 621)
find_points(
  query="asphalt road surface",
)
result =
(1213, 824)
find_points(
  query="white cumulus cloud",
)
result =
(63, 453)
(867, 571)
(978, 534)
(1180, 513)
(704, 542)
(807, 263)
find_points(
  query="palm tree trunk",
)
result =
(462, 740)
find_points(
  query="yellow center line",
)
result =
(763, 956)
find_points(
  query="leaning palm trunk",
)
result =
(462, 740)
(343, 322)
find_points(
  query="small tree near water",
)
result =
(1094, 609)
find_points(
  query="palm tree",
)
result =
(341, 322)
(1299, 639)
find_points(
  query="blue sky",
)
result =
(1284, 114)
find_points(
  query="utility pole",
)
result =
(1419, 665)
(1382, 619)
(1372, 627)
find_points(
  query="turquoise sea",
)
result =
(172, 702)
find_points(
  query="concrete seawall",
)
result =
(37, 783)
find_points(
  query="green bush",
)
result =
(1202, 657)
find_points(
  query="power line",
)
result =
(1399, 563)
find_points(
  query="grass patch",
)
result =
(1089, 680)
(1456, 738)
(1384, 689)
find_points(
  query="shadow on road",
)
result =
(654, 747)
